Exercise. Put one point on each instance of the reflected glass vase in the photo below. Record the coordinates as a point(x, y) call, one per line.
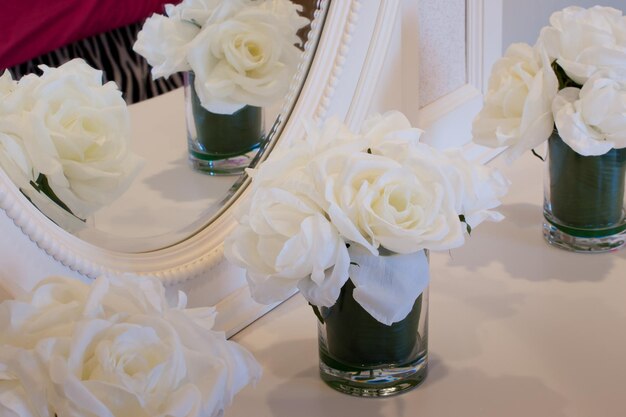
point(363, 357)
point(584, 199)
point(221, 144)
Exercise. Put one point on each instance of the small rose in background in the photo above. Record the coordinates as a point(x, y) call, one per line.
point(115, 348)
point(65, 134)
point(242, 52)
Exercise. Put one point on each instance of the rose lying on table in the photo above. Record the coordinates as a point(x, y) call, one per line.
point(116, 348)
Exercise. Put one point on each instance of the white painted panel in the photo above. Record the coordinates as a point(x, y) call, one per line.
point(522, 20)
point(442, 45)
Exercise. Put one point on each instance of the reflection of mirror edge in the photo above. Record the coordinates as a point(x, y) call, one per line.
point(203, 251)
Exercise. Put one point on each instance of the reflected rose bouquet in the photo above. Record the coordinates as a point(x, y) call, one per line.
point(242, 52)
point(118, 348)
point(336, 199)
point(66, 135)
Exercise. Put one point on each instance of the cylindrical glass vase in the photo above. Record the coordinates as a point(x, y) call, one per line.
point(221, 144)
point(363, 357)
point(584, 199)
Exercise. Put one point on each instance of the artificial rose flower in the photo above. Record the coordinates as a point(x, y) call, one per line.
point(247, 59)
point(391, 130)
point(7, 85)
point(376, 201)
point(164, 43)
point(75, 131)
point(289, 166)
point(194, 11)
point(517, 109)
point(480, 188)
point(117, 348)
point(583, 41)
point(13, 399)
point(285, 242)
point(591, 120)
point(14, 160)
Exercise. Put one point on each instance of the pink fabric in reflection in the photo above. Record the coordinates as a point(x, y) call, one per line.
point(29, 28)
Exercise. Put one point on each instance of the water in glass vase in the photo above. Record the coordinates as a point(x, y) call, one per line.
point(221, 144)
point(362, 357)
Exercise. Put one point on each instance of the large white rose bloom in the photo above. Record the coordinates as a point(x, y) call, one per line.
point(592, 120)
point(517, 110)
point(583, 41)
point(477, 188)
point(286, 242)
point(115, 348)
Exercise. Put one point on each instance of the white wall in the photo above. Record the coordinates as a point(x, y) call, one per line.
point(523, 19)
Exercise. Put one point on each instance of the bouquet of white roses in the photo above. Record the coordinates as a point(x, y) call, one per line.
point(242, 52)
point(574, 78)
point(569, 89)
point(115, 348)
point(66, 135)
point(337, 199)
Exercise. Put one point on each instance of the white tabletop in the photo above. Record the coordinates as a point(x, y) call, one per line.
point(517, 328)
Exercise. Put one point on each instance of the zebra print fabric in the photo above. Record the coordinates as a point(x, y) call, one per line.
point(112, 52)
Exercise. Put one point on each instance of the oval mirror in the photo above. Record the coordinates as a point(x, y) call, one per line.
point(339, 77)
point(170, 200)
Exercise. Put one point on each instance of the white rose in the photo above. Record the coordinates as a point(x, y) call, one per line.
point(245, 60)
point(584, 41)
point(375, 201)
point(480, 188)
point(517, 109)
point(285, 242)
point(591, 120)
point(7, 85)
point(391, 130)
point(289, 166)
point(13, 399)
point(113, 350)
point(164, 43)
point(76, 132)
point(195, 11)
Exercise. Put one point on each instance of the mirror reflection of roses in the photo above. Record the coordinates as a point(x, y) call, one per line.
point(67, 135)
point(242, 52)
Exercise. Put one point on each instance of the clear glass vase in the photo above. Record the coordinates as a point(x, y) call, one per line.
point(584, 199)
point(362, 357)
point(221, 144)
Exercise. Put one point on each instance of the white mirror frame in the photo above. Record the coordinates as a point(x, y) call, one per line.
point(341, 82)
